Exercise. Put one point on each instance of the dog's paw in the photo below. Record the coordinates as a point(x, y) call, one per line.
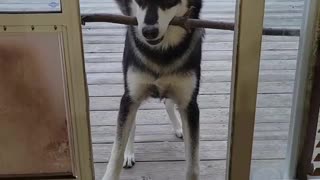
point(129, 161)
point(179, 133)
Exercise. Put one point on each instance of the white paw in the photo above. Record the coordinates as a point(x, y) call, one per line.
point(179, 133)
point(129, 161)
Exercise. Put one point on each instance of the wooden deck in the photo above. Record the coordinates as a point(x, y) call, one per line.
point(159, 154)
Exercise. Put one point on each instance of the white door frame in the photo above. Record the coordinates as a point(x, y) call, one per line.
point(301, 93)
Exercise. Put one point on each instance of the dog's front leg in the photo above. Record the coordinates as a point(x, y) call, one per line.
point(126, 117)
point(173, 118)
point(129, 159)
point(190, 124)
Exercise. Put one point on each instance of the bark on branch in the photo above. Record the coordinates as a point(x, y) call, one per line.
point(184, 22)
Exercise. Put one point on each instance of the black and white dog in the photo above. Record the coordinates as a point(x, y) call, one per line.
point(160, 61)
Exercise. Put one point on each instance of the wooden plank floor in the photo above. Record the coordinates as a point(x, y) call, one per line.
point(159, 154)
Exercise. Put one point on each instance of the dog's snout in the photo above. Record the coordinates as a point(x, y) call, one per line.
point(150, 32)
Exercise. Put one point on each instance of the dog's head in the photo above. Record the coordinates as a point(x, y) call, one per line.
point(154, 17)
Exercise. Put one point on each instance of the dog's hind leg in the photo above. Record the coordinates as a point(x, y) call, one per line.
point(173, 118)
point(126, 118)
point(190, 124)
point(129, 159)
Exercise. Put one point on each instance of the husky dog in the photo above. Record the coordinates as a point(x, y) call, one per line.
point(159, 61)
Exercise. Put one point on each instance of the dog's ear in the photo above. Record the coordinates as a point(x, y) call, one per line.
point(124, 6)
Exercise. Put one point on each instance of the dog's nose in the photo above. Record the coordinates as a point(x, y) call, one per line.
point(150, 32)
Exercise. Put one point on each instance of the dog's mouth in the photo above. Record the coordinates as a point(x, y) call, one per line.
point(155, 42)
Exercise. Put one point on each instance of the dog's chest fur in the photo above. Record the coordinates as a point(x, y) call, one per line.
point(170, 69)
point(178, 87)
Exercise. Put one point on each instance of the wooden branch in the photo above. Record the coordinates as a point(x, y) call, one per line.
point(184, 22)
